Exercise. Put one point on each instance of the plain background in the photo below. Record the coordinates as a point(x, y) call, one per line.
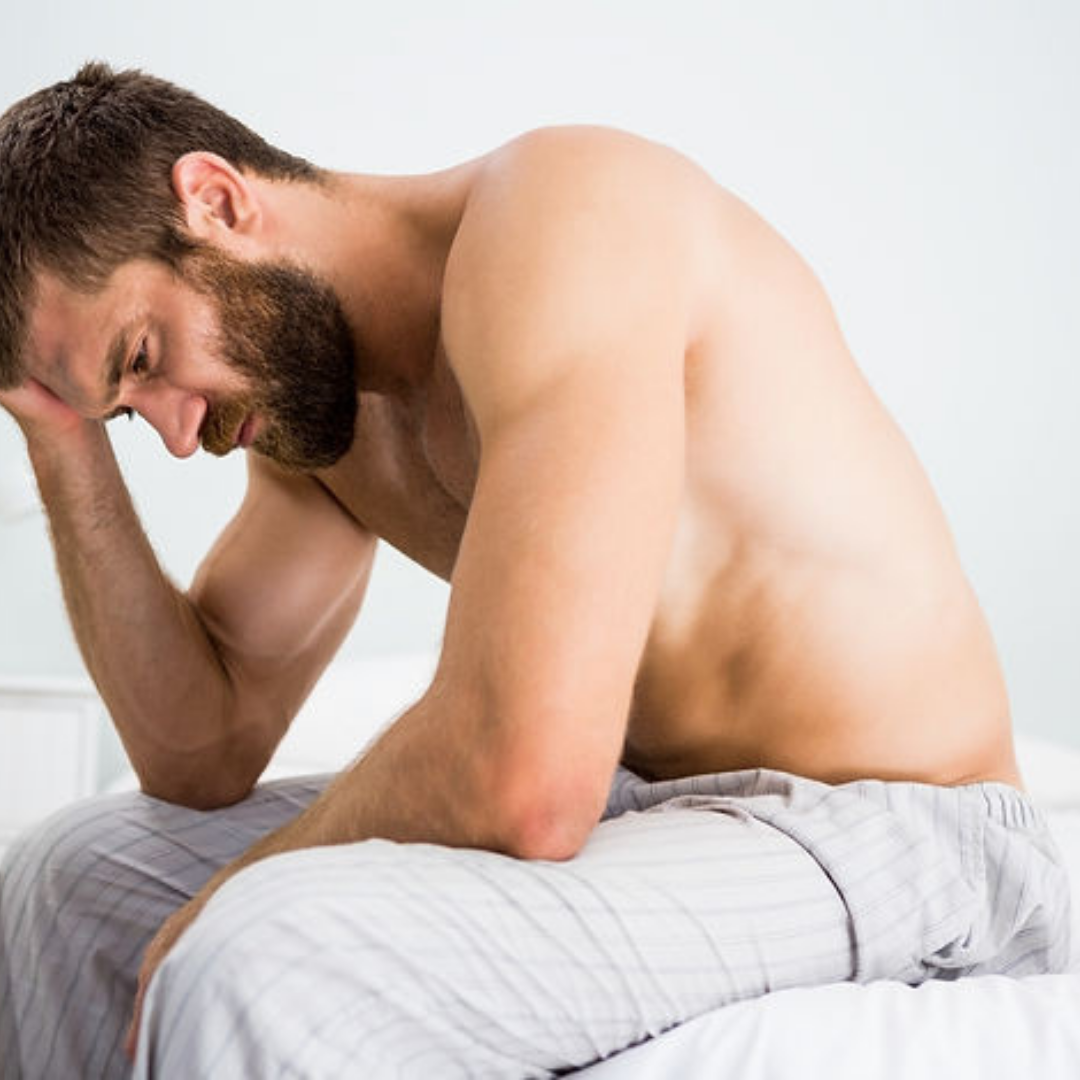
point(922, 156)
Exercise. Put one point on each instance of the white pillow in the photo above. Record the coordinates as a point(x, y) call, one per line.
point(1051, 771)
point(352, 702)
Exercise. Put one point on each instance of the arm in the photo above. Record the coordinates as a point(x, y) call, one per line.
point(201, 685)
point(571, 303)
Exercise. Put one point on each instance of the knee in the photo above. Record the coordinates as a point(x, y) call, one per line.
point(67, 854)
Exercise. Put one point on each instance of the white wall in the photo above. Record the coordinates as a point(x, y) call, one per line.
point(923, 156)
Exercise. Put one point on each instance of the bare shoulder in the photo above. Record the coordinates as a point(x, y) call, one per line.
point(558, 178)
point(586, 152)
point(574, 240)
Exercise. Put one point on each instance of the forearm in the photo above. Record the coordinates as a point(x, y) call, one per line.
point(433, 777)
point(141, 639)
point(424, 780)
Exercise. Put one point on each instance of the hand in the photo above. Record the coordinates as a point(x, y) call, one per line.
point(156, 951)
point(38, 410)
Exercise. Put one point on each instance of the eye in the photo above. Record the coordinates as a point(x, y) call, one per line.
point(141, 364)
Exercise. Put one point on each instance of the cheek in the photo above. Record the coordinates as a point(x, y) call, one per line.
point(216, 371)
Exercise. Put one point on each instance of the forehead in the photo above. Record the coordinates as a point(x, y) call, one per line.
point(58, 310)
point(70, 332)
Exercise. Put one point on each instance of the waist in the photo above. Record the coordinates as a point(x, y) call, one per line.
point(920, 736)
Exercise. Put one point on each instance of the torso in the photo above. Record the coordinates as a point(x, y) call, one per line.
point(814, 616)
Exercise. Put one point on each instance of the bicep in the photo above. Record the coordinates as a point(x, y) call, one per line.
point(280, 588)
point(562, 562)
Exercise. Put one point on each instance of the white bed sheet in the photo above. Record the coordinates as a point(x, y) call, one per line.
point(983, 1029)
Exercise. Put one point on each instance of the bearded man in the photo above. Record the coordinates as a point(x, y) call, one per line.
point(716, 713)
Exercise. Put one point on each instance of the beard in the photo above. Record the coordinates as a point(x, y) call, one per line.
point(283, 329)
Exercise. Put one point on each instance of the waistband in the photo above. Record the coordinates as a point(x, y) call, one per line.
point(1010, 806)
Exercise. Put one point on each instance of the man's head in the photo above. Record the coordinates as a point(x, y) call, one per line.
point(88, 187)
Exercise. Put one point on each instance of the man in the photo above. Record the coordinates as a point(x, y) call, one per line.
point(716, 713)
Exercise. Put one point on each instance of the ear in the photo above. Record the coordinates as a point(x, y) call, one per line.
point(218, 202)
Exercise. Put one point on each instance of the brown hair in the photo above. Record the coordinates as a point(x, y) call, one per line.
point(86, 183)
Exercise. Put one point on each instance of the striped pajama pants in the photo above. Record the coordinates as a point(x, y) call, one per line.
point(379, 959)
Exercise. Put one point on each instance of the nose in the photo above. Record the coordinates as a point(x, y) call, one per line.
point(176, 415)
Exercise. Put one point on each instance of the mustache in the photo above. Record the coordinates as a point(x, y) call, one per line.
point(218, 432)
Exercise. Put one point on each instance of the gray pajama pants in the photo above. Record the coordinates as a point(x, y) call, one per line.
point(379, 959)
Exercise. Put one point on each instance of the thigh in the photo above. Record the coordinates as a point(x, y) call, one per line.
point(80, 897)
point(388, 959)
point(134, 854)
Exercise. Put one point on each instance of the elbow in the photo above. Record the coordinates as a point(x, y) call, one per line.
point(202, 793)
point(550, 821)
point(520, 784)
point(209, 775)
point(547, 840)
point(198, 781)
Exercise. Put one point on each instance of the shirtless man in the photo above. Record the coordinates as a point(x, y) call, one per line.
point(602, 398)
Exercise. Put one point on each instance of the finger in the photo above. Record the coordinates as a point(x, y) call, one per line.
point(33, 403)
point(132, 1037)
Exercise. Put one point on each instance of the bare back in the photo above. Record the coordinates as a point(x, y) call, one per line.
point(814, 616)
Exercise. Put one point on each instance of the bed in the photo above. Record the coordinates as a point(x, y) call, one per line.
point(986, 1028)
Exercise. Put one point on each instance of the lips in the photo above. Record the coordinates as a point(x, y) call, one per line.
point(246, 435)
